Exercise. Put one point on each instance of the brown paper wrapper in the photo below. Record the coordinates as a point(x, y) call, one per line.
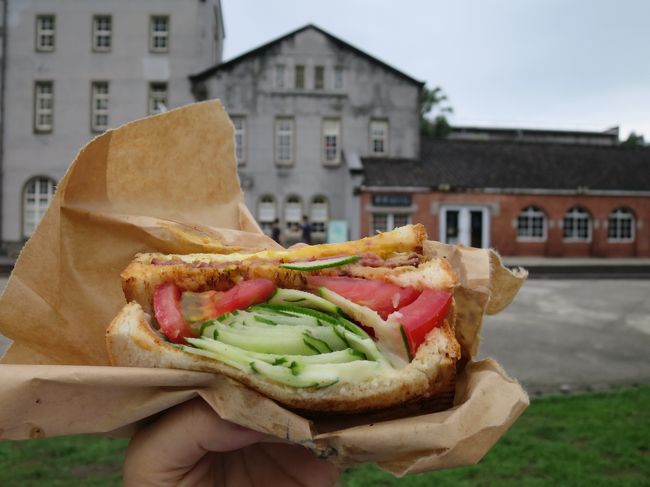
point(169, 183)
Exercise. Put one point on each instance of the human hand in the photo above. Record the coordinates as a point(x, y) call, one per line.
point(192, 445)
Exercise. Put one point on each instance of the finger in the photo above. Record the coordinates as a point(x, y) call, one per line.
point(175, 443)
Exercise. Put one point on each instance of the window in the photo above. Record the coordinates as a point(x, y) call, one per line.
point(293, 214)
point(378, 137)
point(99, 106)
point(280, 76)
point(531, 224)
point(267, 212)
point(577, 225)
point(37, 194)
point(383, 222)
point(102, 31)
point(319, 78)
point(299, 79)
point(284, 141)
point(620, 225)
point(157, 98)
point(159, 33)
point(338, 78)
point(45, 31)
point(43, 106)
point(240, 138)
point(331, 142)
point(318, 217)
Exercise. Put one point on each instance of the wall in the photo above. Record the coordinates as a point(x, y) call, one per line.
point(248, 89)
point(129, 67)
point(505, 208)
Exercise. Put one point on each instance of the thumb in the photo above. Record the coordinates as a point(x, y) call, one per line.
point(165, 451)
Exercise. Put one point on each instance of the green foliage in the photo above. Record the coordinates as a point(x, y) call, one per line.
point(592, 439)
point(634, 140)
point(433, 110)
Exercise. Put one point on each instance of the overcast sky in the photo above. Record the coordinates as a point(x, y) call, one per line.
point(567, 64)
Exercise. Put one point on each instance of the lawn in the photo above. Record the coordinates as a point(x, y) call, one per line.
point(591, 439)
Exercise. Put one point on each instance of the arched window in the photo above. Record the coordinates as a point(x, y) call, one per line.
point(577, 225)
point(318, 217)
point(531, 224)
point(293, 214)
point(266, 212)
point(37, 194)
point(620, 225)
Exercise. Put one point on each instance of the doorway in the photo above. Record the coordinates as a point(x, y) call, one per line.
point(467, 225)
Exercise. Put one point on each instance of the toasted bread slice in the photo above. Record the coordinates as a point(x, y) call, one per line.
point(131, 341)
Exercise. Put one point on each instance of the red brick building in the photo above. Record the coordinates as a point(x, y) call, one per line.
point(522, 196)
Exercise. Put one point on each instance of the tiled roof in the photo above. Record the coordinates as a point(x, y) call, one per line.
point(512, 165)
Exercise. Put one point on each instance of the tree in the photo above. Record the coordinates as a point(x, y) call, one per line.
point(433, 111)
point(634, 140)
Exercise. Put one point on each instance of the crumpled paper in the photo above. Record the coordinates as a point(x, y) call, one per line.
point(169, 183)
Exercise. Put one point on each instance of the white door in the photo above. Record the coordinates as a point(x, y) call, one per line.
point(467, 225)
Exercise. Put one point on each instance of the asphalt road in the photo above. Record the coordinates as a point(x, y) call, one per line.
point(565, 335)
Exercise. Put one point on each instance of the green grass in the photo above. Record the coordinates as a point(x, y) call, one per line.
point(592, 439)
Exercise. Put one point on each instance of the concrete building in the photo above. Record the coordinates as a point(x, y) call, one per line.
point(306, 107)
point(76, 68)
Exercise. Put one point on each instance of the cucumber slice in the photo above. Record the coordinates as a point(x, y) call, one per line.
point(218, 349)
point(314, 265)
point(389, 336)
point(291, 310)
point(365, 346)
point(282, 344)
point(302, 298)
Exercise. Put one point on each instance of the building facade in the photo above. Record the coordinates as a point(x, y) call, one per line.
point(556, 198)
point(76, 68)
point(306, 107)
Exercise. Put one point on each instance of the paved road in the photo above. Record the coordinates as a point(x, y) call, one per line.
point(569, 334)
point(574, 334)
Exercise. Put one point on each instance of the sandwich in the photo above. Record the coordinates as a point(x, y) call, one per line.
point(345, 327)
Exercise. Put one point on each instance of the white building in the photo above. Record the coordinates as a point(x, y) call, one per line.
point(307, 107)
point(75, 68)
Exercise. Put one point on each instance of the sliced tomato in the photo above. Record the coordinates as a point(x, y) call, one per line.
point(380, 296)
point(243, 295)
point(167, 309)
point(423, 315)
point(199, 306)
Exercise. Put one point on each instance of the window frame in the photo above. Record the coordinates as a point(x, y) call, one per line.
point(319, 77)
point(531, 212)
point(371, 138)
point(276, 141)
point(286, 221)
point(94, 128)
point(153, 34)
point(573, 238)
point(338, 82)
point(38, 33)
point(38, 128)
point(317, 234)
point(280, 77)
point(390, 220)
point(96, 33)
point(299, 68)
point(38, 211)
point(630, 216)
point(240, 132)
point(336, 161)
point(266, 225)
point(151, 97)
